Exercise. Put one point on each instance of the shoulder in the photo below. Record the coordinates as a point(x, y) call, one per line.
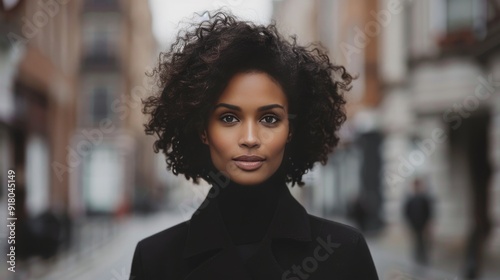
point(342, 233)
point(164, 245)
point(348, 247)
point(153, 252)
point(166, 238)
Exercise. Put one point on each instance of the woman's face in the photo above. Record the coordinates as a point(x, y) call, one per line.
point(248, 129)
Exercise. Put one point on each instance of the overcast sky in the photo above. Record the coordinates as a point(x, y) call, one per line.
point(168, 13)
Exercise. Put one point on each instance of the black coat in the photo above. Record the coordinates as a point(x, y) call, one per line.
point(297, 246)
point(418, 211)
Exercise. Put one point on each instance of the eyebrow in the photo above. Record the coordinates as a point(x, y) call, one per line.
point(260, 109)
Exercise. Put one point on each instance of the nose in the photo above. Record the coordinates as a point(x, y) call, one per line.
point(249, 138)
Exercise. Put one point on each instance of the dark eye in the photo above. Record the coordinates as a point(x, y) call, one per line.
point(270, 119)
point(228, 118)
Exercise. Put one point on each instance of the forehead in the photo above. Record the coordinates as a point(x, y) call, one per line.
point(253, 89)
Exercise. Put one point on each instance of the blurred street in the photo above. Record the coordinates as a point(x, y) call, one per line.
point(112, 260)
point(417, 168)
point(109, 260)
point(392, 255)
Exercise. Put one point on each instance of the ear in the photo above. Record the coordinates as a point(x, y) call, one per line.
point(203, 137)
point(289, 137)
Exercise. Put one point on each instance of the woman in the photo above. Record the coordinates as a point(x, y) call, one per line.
point(248, 111)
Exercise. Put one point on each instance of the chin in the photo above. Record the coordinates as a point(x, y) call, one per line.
point(248, 179)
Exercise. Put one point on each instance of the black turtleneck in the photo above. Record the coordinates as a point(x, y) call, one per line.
point(247, 211)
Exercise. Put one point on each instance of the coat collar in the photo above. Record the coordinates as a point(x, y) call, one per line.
point(207, 230)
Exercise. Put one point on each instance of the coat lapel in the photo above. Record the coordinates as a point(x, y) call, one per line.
point(206, 229)
point(207, 232)
point(290, 220)
point(227, 264)
point(263, 264)
point(224, 265)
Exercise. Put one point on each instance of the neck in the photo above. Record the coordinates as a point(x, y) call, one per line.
point(247, 210)
point(270, 182)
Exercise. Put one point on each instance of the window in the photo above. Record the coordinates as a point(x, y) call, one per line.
point(465, 23)
point(100, 45)
point(103, 180)
point(493, 11)
point(459, 15)
point(465, 15)
point(100, 106)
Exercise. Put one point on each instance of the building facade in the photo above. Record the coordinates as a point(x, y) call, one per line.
point(72, 74)
point(425, 105)
point(353, 170)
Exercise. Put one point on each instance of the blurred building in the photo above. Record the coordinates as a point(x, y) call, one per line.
point(354, 168)
point(117, 49)
point(72, 75)
point(425, 105)
point(40, 69)
point(450, 87)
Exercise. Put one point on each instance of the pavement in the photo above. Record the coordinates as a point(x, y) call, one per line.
point(108, 259)
point(111, 258)
point(392, 254)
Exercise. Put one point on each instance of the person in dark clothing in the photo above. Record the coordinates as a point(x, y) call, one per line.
point(418, 212)
point(248, 112)
point(358, 211)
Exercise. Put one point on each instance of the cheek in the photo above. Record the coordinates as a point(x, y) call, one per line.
point(274, 136)
point(276, 141)
point(219, 140)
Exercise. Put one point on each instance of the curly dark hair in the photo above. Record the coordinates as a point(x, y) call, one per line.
point(193, 73)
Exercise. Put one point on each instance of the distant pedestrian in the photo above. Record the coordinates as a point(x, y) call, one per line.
point(418, 213)
point(358, 211)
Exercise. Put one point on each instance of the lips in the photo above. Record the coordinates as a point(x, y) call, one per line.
point(248, 162)
point(249, 158)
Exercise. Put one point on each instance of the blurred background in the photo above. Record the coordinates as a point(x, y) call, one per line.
point(417, 169)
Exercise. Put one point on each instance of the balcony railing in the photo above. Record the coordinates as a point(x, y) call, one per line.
point(101, 5)
point(100, 62)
